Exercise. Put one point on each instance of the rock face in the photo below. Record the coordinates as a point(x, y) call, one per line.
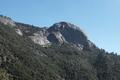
point(68, 33)
point(6, 20)
point(56, 37)
point(18, 31)
point(40, 38)
point(36, 34)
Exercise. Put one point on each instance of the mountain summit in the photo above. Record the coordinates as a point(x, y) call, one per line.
point(69, 33)
point(63, 25)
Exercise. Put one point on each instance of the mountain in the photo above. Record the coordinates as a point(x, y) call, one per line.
point(59, 52)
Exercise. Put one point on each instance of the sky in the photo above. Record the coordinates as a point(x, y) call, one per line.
point(99, 19)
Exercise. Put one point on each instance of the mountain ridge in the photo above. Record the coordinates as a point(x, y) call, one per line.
point(58, 33)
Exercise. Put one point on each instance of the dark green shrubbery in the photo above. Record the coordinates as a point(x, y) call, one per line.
point(21, 59)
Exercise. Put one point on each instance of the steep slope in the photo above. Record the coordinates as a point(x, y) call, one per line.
point(21, 58)
point(24, 60)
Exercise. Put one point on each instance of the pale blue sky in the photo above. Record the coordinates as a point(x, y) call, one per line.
point(100, 19)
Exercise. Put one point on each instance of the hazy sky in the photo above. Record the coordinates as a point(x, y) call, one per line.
point(100, 19)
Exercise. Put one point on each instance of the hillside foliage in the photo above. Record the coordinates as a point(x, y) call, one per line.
point(21, 59)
